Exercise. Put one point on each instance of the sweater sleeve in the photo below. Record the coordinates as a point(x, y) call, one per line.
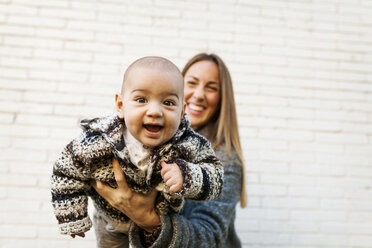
point(69, 183)
point(201, 224)
point(202, 171)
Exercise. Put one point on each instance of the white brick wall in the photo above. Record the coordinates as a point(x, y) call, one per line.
point(302, 73)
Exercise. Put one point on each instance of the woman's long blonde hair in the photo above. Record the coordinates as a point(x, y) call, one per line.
point(224, 130)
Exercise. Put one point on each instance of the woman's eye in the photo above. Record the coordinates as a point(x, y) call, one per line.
point(212, 88)
point(169, 103)
point(191, 83)
point(141, 100)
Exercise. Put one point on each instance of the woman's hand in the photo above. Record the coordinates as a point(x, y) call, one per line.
point(138, 207)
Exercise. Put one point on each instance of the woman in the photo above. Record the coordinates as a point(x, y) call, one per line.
point(210, 104)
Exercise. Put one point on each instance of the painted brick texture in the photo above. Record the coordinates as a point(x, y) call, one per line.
point(302, 73)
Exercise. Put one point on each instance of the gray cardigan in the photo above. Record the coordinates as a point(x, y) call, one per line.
point(203, 224)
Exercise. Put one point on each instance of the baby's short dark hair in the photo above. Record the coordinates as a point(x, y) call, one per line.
point(154, 62)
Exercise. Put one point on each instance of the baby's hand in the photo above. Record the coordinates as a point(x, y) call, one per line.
point(172, 176)
point(78, 234)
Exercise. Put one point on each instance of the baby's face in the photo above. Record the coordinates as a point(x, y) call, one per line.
point(152, 105)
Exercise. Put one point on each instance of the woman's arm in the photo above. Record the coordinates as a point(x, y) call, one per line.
point(201, 224)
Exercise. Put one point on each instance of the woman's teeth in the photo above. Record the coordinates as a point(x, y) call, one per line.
point(195, 107)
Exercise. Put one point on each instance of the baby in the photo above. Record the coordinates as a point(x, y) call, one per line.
point(149, 136)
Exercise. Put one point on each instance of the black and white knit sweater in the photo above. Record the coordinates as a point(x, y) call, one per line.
point(90, 155)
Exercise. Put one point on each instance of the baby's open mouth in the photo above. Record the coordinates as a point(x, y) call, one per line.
point(153, 128)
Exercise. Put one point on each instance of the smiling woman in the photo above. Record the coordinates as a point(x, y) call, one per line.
point(202, 92)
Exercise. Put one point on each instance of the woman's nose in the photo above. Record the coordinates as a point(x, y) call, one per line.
point(154, 110)
point(199, 93)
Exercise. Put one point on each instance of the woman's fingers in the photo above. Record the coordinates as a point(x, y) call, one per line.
point(102, 189)
point(119, 175)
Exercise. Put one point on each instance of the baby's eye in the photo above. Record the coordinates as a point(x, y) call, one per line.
point(169, 103)
point(141, 100)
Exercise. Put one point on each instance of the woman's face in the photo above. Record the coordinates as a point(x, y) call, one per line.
point(202, 92)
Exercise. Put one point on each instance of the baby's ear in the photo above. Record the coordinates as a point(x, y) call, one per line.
point(119, 105)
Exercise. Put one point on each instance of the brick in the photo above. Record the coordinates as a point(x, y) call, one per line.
point(63, 132)
point(267, 214)
point(57, 75)
point(33, 42)
point(359, 172)
point(342, 116)
point(11, 73)
point(52, 98)
point(342, 138)
point(16, 30)
point(16, 84)
point(63, 55)
point(83, 67)
point(19, 206)
point(17, 231)
point(10, 95)
point(269, 238)
point(247, 225)
point(44, 120)
point(28, 131)
point(357, 149)
point(316, 147)
point(31, 168)
point(361, 217)
point(321, 240)
point(42, 144)
point(28, 193)
point(67, 13)
point(266, 190)
point(22, 155)
point(310, 191)
point(6, 118)
point(319, 215)
point(338, 95)
point(356, 128)
point(287, 112)
point(315, 125)
point(5, 142)
point(36, 21)
point(360, 240)
point(68, 34)
point(350, 159)
point(269, 167)
point(49, 3)
point(343, 182)
point(98, 89)
point(313, 103)
point(93, 26)
point(19, 9)
point(95, 47)
point(286, 134)
point(286, 179)
point(15, 51)
point(89, 112)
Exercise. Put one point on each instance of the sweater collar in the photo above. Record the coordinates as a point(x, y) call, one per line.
point(112, 127)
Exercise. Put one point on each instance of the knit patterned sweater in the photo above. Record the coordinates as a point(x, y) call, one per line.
point(90, 155)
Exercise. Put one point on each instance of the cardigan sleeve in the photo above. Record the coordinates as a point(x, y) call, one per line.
point(201, 224)
point(69, 183)
point(202, 171)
